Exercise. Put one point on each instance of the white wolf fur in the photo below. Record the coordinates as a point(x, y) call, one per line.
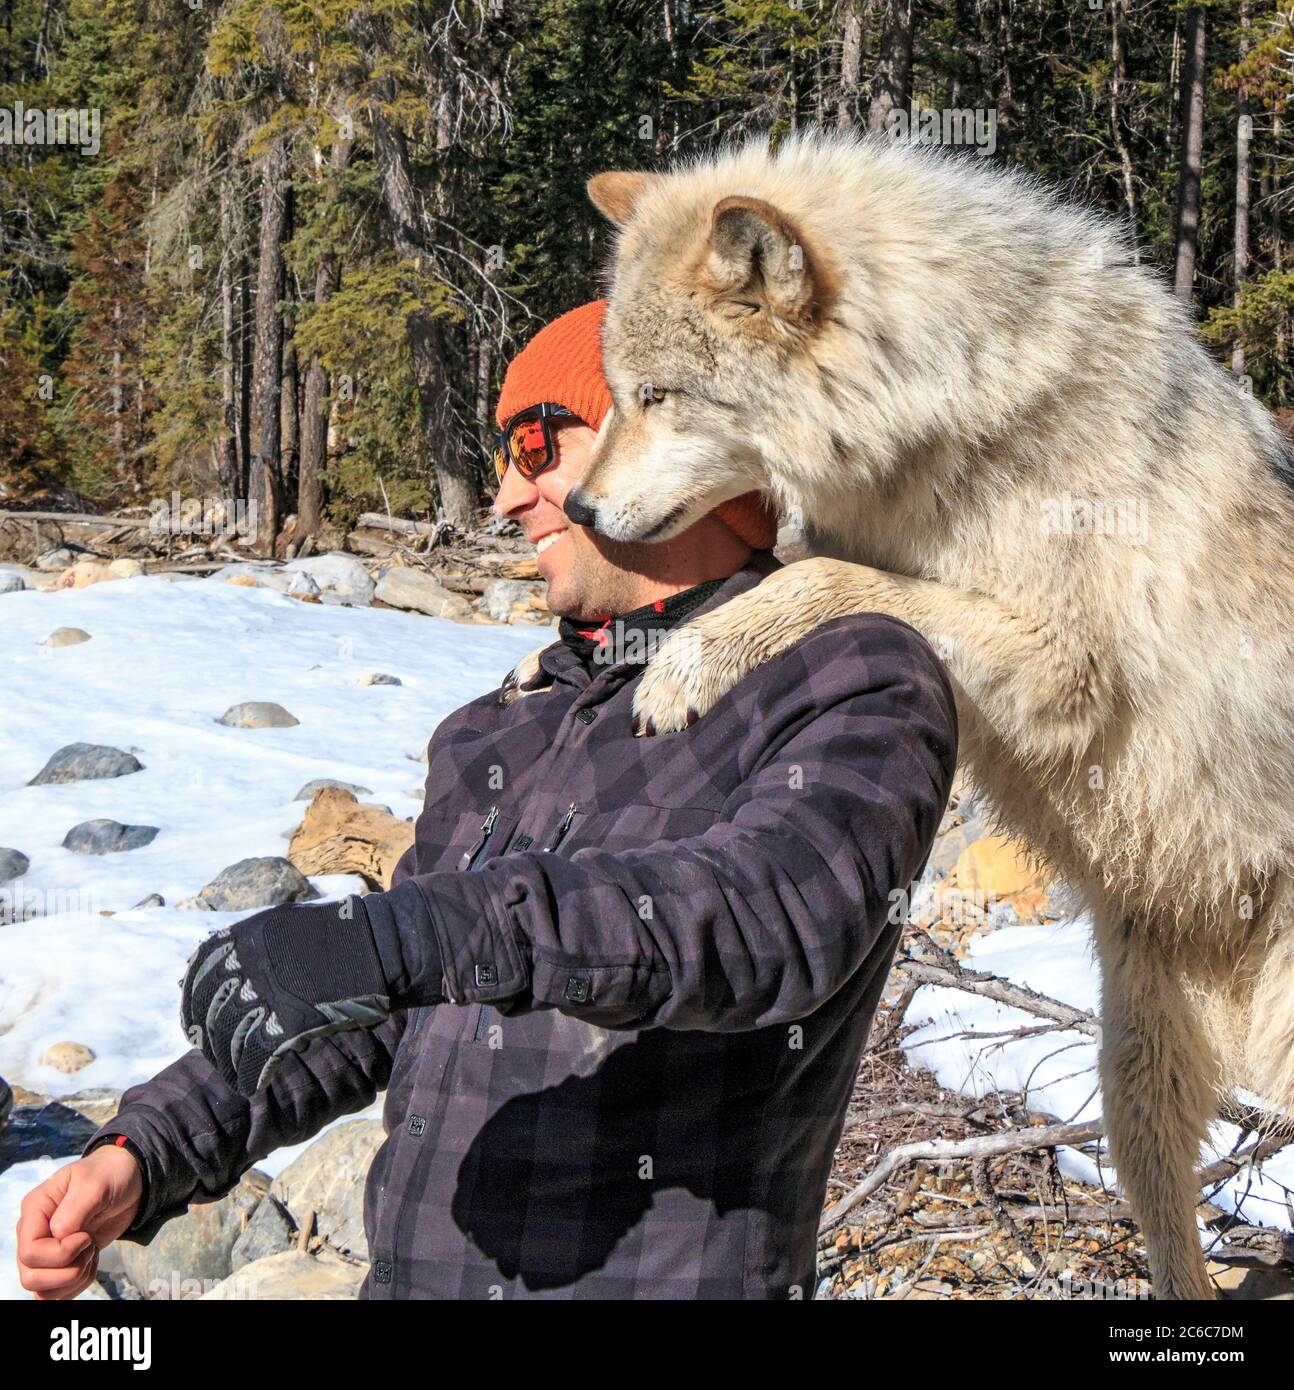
point(925, 357)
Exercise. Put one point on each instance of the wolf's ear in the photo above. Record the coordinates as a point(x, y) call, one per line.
point(757, 257)
point(615, 195)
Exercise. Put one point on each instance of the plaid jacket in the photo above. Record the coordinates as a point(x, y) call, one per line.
point(664, 962)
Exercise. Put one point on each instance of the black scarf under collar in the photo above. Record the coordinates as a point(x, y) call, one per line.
point(633, 636)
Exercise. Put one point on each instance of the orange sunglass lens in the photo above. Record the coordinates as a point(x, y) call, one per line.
point(528, 447)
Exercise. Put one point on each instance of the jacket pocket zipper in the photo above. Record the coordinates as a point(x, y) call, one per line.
point(467, 860)
point(561, 829)
point(483, 1018)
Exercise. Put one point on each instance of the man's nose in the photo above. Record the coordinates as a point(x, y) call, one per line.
point(514, 494)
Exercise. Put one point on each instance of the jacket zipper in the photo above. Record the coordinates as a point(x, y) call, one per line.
point(466, 861)
point(561, 829)
point(483, 1018)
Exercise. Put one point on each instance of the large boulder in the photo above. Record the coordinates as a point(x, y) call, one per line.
point(83, 762)
point(11, 582)
point(253, 883)
point(84, 573)
point(102, 836)
point(252, 576)
point(44, 1128)
point(190, 1254)
point(419, 592)
point(258, 714)
point(328, 1180)
point(293, 1275)
point(269, 1230)
point(341, 578)
point(340, 836)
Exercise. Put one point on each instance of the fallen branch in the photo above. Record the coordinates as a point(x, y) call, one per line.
point(948, 1150)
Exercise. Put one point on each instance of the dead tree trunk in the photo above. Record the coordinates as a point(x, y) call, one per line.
point(455, 474)
point(264, 488)
point(1244, 135)
point(1192, 154)
point(851, 61)
point(892, 82)
point(230, 449)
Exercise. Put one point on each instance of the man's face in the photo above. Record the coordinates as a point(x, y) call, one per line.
point(588, 575)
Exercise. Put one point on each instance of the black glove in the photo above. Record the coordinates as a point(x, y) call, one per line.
point(268, 986)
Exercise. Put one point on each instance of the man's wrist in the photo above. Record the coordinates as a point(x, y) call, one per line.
point(127, 1145)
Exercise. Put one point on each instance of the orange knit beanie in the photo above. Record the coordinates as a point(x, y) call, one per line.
point(563, 364)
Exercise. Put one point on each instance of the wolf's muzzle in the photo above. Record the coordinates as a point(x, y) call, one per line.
point(579, 511)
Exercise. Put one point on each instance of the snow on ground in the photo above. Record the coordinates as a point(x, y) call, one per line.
point(1056, 1070)
point(165, 660)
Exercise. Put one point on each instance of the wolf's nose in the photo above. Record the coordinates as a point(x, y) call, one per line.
point(579, 510)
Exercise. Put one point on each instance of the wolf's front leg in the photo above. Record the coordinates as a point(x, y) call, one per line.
point(1038, 684)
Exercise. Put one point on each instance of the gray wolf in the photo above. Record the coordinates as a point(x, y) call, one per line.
point(997, 427)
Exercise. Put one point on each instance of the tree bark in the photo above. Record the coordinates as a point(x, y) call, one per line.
point(1244, 126)
point(1118, 79)
point(1192, 153)
point(229, 449)
point(851, 61)
point(892, 83)
point(455, 475)
point(314, 420)
point(265, 482)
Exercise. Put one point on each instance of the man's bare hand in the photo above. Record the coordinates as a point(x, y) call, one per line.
point(71, 1216)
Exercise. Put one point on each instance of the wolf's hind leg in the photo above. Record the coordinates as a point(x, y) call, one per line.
point(1158, 1079)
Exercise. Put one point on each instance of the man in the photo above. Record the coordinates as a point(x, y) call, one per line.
point(618, 990)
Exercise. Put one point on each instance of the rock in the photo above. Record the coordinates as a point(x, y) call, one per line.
point(43, 1128)
point(515, 601)
point(103, 836)
point(65, 637)
point(13, 864)
point(340, 578)
point(269, 1230)
point(126, 568)
point(303, 586)
point(253, 883)
point(55, 559)
point(996, 867)
point(947, 850)
point(6, 1102)
point(292, 1275)
point(328, 1179)
point(84, 573)
point(308, 791)
point(1252, 1277)
point(379, 678)
point(339, 836)
point(254, 576)
point(153, 900)
point(66, 1056)
point(419, 592)
point(11, 583)
point(257, 714)
point(84, 762)
point(190, 1253)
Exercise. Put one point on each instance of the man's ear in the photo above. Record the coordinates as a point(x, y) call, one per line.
point(616, 195)
point(757, 259)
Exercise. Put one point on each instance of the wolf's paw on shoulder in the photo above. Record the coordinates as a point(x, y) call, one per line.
point(523, 678)
point(693, 668)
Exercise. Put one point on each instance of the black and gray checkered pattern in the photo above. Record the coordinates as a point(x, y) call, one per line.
point(661, 994)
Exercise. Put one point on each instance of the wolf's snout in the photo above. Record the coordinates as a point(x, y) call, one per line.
point(579, 511)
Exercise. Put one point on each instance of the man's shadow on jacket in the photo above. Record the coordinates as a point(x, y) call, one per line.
point(598, 1181)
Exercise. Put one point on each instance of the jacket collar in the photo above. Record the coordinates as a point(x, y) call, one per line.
point(563, 665)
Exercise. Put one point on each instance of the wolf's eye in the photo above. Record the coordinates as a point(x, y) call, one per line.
point(651, 395)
